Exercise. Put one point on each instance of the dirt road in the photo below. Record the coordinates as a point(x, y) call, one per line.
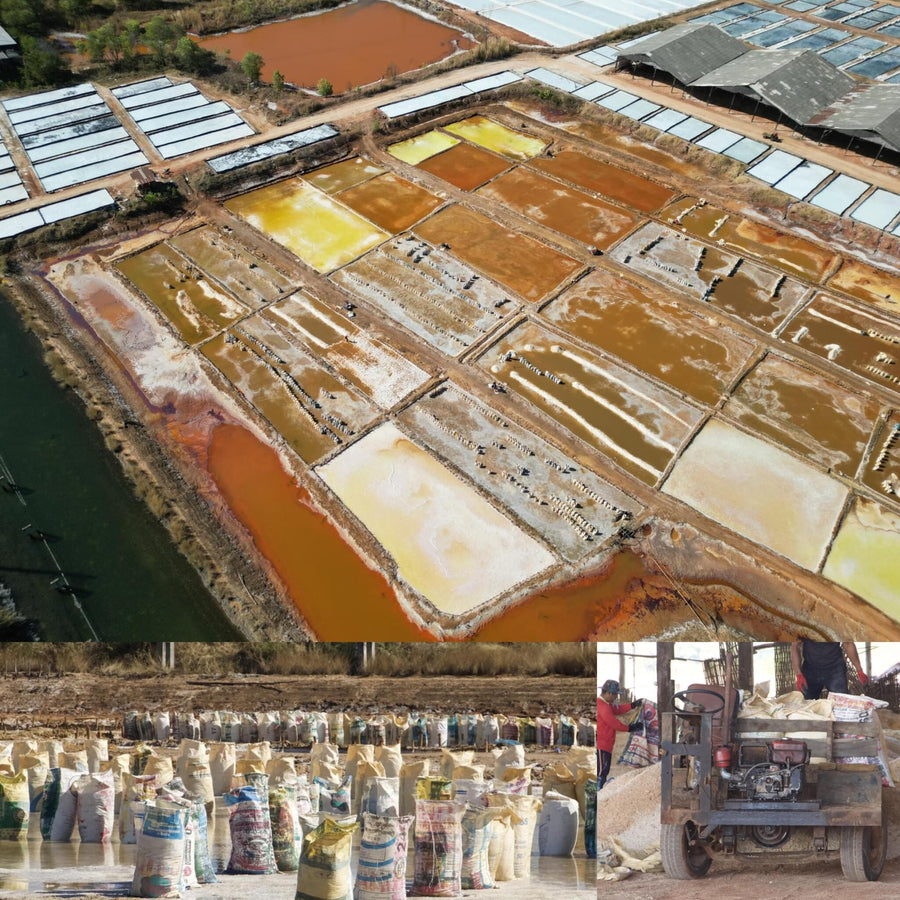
point(741, 880)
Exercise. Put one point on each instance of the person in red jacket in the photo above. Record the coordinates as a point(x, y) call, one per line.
point(608, 725)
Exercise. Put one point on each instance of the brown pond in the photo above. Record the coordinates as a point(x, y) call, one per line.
point(648, 329)
point(869, 284)
point(602, 178)
point(563, 209)
point(521, 263)
point(196, 306)
point(793, 254)
point(338, 594)
point(391, 202)
point(803, 411)
point(857, 341)
point(465, 166)
point(354, 45)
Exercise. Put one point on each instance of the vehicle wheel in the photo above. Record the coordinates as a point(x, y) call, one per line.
point(683, 854)
point(863, 850)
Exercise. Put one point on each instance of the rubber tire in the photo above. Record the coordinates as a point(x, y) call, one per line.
point(676, 855)
point(863, 851)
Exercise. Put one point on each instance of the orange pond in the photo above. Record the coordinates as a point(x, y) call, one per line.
point(465, 166)
point(563, 209)
point(350, 46)
point(521, 263)
point(602, 178)
point(571, 612)
point(339, 595)
point(869, 284)
point(391, 202)
point(343, 599)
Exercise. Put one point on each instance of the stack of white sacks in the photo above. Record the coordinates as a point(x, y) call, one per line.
point(468, 832)
point(344, 729)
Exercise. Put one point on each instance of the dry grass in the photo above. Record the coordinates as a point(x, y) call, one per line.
point(394, 660)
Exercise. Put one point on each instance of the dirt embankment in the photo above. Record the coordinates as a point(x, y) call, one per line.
point(28, 701)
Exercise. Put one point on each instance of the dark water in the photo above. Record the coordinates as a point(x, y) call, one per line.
point(130, 581)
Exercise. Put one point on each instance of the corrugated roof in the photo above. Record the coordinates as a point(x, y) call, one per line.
point(686, 51)
point(804, 87)
point(747, 68)
point(863, 109)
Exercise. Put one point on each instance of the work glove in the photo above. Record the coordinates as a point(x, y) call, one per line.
point(637, 725)
point(801, 682)
point(863, 678)
point(637, 704)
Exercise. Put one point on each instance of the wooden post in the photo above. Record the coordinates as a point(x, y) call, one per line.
point(665, 687)
point(165, 651)
point(745, 666)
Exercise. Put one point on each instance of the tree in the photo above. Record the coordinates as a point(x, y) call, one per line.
point(160, 35)
point(324, 88)
point(23, 17)
point(41, 64)
point(77, 11)
point(252, 64)
point(277, 82)
point(191, 57)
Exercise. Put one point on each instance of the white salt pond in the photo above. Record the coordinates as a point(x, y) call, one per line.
point(448, 542)
point(759, 491)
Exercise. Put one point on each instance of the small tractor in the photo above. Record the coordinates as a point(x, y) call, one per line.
point(761, 788)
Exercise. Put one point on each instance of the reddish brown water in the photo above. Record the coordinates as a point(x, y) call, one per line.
point(339, 595)
point(788, 252)
point(602, 178)
point(350, 46)
point(869, 284)
point(645, 327)
point(521, 263)
point(391, 202)
point(803, 411)
point(573, 611)
point(563, 209)
point(465, 166)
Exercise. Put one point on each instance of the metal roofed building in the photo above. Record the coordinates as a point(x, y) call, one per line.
point(686, 52)
point(9, 47)
point(869, 111)
point(798, 83)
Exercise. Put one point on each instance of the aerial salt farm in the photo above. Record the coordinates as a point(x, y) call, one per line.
point(507, 377)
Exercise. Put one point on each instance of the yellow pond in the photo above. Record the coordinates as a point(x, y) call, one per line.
point(759, 491)
point(865, 557)
point(487, 133)
point(319, 230)
point(449, 543)
point(422, 147)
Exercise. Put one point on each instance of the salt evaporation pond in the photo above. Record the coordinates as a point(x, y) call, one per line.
point(350, 46)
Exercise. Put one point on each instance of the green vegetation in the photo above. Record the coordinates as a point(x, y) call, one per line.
point(324, 88)
point(116, 43)
point(277, 82)
point(222, 15)
point(393, 660)
point(42, 66)
point(252, 64)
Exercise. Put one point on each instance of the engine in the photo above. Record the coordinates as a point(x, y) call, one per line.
point(773, 771)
